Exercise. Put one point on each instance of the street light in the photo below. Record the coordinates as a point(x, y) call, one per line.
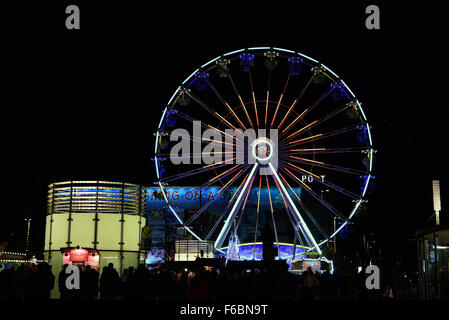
point(436, 200)
point(28, 235)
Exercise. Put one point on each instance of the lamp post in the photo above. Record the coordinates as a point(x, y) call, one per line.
point(28, 221)
point(436, 200)
point(437, 209)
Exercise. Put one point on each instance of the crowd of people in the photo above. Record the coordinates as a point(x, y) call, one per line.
point(29, 282)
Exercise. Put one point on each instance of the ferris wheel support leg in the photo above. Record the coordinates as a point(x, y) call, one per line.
point(295, 210)
point(227, 225)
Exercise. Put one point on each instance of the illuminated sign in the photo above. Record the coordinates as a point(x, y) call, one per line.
point(304, 264)
point(94, 261)
point(86, 257)
point(187, 200)
point(155, 256)
point(79, 255)
point(313, 264)
point(254, 251)
point(189, 196)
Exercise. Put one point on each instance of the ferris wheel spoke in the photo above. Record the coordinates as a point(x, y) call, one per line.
point(240, 98)
point(301, 243)
point(327, 183)
point(226, 105)
point(295, 225)
point(247, 193)
point(268, 97)
point(317, 122)
point(315, 163)
point(196, 139)
point(224, 188)
point(199, 155)
point(306, 111)
point(219, 142)
point(300, 220)
point(227, 225)
point(208, 141)
point(269, 195)
point(254, 97)
point(320, 136)
point(280, 99)
point(214, 113)
point(257, 214)
point(242, 211)
point(227, 207)
point(203, 124)
point(313, 194)
point(223, 174)
point(258, 196)
point(194, 172)
point(295, 102)
point(272, 212)
point(209, 182)
point(327, 150)
point(304, 208)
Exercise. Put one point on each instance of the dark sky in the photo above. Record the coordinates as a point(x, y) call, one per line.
point(83, 104)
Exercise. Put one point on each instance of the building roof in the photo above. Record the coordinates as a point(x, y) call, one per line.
point(443, 231)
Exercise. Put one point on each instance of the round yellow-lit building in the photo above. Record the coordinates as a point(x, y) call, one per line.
point(94, 223)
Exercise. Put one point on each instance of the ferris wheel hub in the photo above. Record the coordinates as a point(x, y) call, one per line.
point(263, 150)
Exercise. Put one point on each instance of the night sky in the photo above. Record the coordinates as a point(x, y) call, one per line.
point(84, 104)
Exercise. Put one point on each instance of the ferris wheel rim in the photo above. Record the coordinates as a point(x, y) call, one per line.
point(228, 54)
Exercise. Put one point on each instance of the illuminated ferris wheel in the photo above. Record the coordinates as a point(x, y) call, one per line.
point(312, 149)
